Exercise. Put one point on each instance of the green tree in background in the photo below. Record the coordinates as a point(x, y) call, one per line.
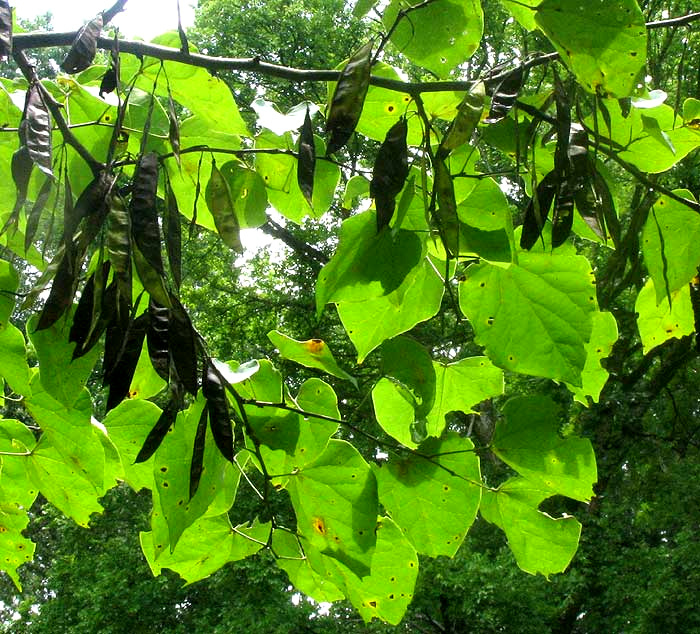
point(474, 368)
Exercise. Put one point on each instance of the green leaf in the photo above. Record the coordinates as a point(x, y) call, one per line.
point(527, 440)
point(13, 360)
point(62, 482)
point(387, 591)
point(604, 46)
point(279, 173)
point(313, 353)
point(637, 146)
point(371, 322)
point(671, 244)
point(459, 387)
point(594, 376)
point(207, 545)
point(171, 470)
point(434, 494)
point(544, 326)
point(17, 494)
point(367, 265)
point(70, 434)
point(413, 403)
point(195, 88)
point(658, 323)
point(146, 382)
point(306, 579)
point(439, 35)
point(289, 440)
point(335, 501)
point(540, 543)
point(519, 10)
point(9, 283)
point(62, 378)
point(248, 194)
point(128, 425)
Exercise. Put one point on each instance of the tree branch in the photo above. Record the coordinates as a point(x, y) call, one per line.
point(312, 255)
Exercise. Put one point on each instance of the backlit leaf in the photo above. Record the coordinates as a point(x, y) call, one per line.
point(313, 353)
point(335, 501)
point(528, 440)
point(434, 494)
point(658, 323)
point(671, 244)
point(604, 44)
point(367, 265)
point(540, 543)
point(438, 35)
point(545, 325)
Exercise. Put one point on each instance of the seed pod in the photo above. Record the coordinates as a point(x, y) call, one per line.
point(173, 129)
point(118, 242)
point(197, 464)
point(157, 434)
point(157, 339)
point(144, 217)
point(109, 81)
point(390, 172)
point(173, 234)
point(183, 347)
point(84, 47)
point(5, 30)
point(468, 117)
point(306, 164)
point(348, 98)
point(35, 129)
point(218, 199)
point(538, 210)
point(121, 375)
point(505, 95)
point(219, 416)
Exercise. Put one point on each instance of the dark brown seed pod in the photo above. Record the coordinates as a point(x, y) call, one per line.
point(5, 30)
point(348, 98)
point(505, 95)
point(156, 436)
point(121, 375)
point(84, 47)
point(538, 210)
point(182, 343)
point(109, 81)
point(219, 416)
point(173, 234)
point(197, 464)
point(390, 172)
point(306, 164)
point(157, 339)
point(144, 217)
point(35, 129)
